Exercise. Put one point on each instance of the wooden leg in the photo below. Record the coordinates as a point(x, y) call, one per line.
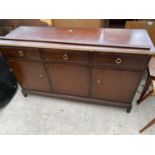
point(129, 108)
point(148, 76)
point(146, 95)
point(148, 72)
point(148, 125)
point(24, 94)
point(147, 84)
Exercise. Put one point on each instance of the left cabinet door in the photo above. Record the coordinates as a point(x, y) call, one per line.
point(30, 75)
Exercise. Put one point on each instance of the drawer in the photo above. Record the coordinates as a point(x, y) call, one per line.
point(131, 61)
point(66, 56)
point(21, 53)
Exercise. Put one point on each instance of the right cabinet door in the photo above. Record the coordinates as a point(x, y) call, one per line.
point(114, 85)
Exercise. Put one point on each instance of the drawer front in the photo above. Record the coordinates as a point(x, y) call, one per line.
point(66, 56)
point(131, 61)
point(21, 53)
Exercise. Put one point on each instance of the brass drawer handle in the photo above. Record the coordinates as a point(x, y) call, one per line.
point(65, 56)
point(21, 53)
point(118, 60)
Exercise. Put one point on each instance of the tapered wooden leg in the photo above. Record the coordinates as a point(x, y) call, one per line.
point(148, 125)
point(129, 108)
point(147, 84)
point(146, 95)
point(24, 94)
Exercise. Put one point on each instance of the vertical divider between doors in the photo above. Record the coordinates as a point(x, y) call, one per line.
point(46, 69)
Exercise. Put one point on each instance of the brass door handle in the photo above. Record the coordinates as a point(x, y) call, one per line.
point(98, 81)
point(41, 75)
point(65, 56)
point(21, 53)
point(118, 60)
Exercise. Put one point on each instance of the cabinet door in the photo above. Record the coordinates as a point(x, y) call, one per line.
point(114, 85)
point(69, 79)
point(31, 75)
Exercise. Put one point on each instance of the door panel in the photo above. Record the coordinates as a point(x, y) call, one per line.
point(69, 79)
point(114, 85)
point(31, 75)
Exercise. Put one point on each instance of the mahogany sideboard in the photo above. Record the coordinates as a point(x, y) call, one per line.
point(102, 66)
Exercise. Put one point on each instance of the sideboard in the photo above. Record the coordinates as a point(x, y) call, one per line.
point(102, 66)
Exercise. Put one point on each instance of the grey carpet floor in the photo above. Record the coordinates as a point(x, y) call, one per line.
point(44, 115)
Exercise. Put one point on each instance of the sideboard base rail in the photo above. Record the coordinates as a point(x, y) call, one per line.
point(128, 106)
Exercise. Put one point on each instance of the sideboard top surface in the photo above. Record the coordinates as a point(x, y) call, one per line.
point(100, 39)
